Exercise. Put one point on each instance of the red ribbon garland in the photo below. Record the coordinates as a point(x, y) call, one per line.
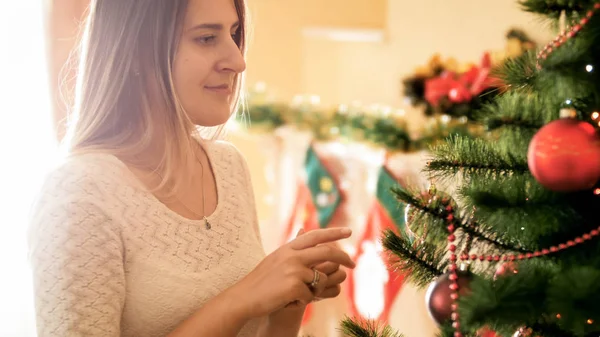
point(461, 88)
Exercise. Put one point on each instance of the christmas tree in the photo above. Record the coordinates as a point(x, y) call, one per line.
point(513, 248)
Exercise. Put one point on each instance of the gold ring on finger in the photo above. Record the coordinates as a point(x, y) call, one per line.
point(316, 278)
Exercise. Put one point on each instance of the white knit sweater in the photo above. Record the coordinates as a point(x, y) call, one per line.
point(109, 259)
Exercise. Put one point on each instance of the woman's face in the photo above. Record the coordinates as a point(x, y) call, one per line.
point(207, 61)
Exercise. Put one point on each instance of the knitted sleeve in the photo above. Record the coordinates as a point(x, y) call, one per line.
point(76, 256)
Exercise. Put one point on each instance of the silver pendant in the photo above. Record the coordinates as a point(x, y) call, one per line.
point(207, 224)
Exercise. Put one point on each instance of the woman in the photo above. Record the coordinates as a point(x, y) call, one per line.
point(146, 229)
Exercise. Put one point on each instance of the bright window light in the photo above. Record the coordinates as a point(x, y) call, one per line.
point(26, 147)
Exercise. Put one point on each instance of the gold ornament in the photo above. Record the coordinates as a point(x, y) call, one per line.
point(326, 184)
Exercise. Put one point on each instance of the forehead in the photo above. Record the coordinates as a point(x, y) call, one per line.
point(210, 11)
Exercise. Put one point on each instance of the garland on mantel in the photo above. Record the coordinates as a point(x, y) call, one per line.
point(381, 127)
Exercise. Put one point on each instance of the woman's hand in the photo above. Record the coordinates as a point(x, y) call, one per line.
point(335, 276)
point(283, 278)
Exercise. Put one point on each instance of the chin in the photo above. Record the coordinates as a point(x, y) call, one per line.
point(212, 117)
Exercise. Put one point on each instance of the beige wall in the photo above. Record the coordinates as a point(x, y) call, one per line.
point(463, 29)
point(342, 72)
point(277, 52)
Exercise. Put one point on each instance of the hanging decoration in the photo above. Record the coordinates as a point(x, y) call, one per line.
point(565, 155)
point(317, 202)
point(486, 332)
point(439, 297)
point(372, 285)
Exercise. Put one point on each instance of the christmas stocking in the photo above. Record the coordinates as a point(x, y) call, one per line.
point(317, 200)
point(373, 287)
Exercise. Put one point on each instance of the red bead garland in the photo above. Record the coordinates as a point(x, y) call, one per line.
point(542, 252)
point(565, 36)
point(453, 268)
point(465, 257)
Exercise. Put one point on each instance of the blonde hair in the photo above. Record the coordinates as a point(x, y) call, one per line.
point(124, 46)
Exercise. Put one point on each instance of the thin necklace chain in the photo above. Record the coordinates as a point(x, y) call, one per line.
point(206, 222)
point(203, 215)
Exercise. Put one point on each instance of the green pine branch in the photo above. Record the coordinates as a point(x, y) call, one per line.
point(475, 157)
point(531, 227)
point(557, 79)
point(490, 237)
point(522, 212)
point(561, 81)
point(576, 294)
point(420, 262)
point(366, 328)
point(427, 217)
point(446, 330)
point(565, 73)
point(553, 8)
point(431, 221)
point(439, 131)
point(549, 329)
point(518, 111)
point(534, 297)
point(509, 302)
point(518, 73)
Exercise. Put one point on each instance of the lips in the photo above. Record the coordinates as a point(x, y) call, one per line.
point(220, 89)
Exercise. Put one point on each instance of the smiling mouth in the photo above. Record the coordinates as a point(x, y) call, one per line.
point(221, 89)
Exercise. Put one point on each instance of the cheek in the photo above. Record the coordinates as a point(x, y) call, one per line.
point(190, 70)
point(190, 74)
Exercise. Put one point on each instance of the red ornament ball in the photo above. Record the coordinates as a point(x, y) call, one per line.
point(486, 332)
point(506, 269)
point(438, 297)
point(564, 155)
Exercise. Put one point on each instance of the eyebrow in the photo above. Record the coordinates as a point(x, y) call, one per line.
point(213, 26)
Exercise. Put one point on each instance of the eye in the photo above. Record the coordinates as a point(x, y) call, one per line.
point(206, 39)
point(236, 36)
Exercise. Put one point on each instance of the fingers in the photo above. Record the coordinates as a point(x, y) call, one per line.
point(336, 278)
point(300, 291)
point(332, 287)
point(328, 268)
point(321, 285)
point(307, 292)
point(317, 248)
point(317, 255)
point(304, 294)
point(320, 236)
point(308, 276)
point(330, 292)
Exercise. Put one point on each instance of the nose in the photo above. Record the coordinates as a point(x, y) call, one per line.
point(233, 60)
